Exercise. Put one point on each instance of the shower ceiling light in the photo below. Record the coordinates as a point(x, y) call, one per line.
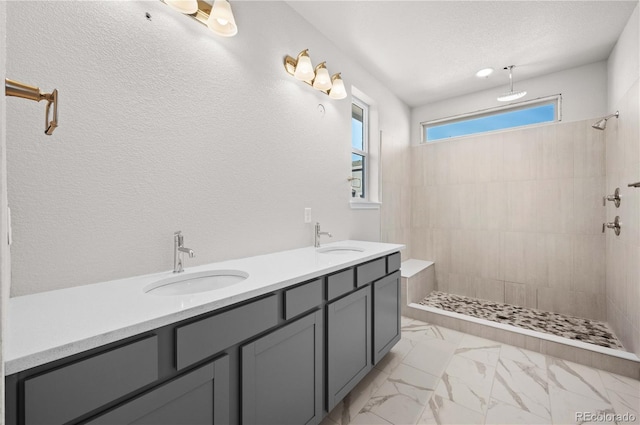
point(484, 73)
point(602, 124)
point(219, 17)
point(511, 95)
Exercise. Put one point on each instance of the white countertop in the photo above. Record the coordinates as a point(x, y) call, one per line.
point(52, 325)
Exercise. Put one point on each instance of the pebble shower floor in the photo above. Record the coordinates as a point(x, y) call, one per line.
point(577, 328)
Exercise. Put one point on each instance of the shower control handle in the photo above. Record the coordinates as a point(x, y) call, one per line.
point(615, 198)
point(615, 225)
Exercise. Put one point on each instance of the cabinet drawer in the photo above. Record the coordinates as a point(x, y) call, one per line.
point(204, 338)
point(302, 298)
point(393, 262)
point(340, 283)
point(198, 397)
point(66, 393)
point(373, 270)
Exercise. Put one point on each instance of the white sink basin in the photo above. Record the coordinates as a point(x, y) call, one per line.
point(340, 250)
point(192, 283)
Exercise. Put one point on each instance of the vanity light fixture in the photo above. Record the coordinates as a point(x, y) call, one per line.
point(337, 90)
point(302, 69)
point(323, 79)
point(511, 95)
point(217, 17)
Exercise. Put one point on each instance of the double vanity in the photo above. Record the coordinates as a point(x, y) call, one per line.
point(272, 339)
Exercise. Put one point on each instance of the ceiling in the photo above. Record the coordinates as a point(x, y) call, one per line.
point(425, 51)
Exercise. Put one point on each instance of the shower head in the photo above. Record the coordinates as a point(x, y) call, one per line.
point(602, 124)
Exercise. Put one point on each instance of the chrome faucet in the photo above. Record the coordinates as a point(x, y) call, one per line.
point(178, 249)
point(318, 233)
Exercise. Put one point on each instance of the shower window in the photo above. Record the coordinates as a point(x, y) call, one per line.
point(359, 148)
point(517, 115)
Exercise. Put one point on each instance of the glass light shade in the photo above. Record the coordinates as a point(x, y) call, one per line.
point(508, 97)
point(304, 69)
point(221, 20)
point(484, 73)
point(322, 80)
point(183, 6)
point(337, 90)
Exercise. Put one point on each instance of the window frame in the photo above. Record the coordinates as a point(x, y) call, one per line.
point(512, 107)
point(364, 152)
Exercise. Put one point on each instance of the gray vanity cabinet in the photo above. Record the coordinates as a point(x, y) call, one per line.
point(348, 343)
point(386, 315)
point(285, 357)
point(199, 397)
point(282, 375)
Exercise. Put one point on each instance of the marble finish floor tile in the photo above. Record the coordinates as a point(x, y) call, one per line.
point(577, 328)
point(523, 357)
point(443, 411)
point(620, 384)
point(576, 378)
point(420, 331)
point(396, 355)
point(357, 398)
point(504, 413)
point(402, 397)
point(523, 387)
point(432, 356)
point(626, 404)
point(480, 349)
point(572, 408)
point(467, 382)
point(428, 379)
point(368, 418)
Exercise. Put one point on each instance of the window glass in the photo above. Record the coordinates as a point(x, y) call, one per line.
point(357, 127)
point(357, 175)
point(499, 120)
point(359, 148)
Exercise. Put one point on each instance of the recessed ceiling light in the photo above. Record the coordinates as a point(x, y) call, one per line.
point(484, 73)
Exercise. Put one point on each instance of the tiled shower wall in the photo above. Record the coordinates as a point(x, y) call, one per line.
point(395, 211)
point(515, 216)
point(623, 252)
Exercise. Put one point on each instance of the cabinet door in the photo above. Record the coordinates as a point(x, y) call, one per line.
point(348, 343)
point(386, 315)
point(282, 375)
point(199, 397)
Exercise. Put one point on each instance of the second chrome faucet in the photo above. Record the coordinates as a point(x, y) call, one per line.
point(318, 233)
point(178, 249)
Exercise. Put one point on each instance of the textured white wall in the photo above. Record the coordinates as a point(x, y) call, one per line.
point(164, 126)
point(5, 274)
point(584, 96)
point(623, 167)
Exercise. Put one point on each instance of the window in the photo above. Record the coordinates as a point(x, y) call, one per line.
point(359, 148)
point(518, 115)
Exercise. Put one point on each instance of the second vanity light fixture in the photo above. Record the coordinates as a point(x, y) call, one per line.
point(318, 78)
point(218, 17)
